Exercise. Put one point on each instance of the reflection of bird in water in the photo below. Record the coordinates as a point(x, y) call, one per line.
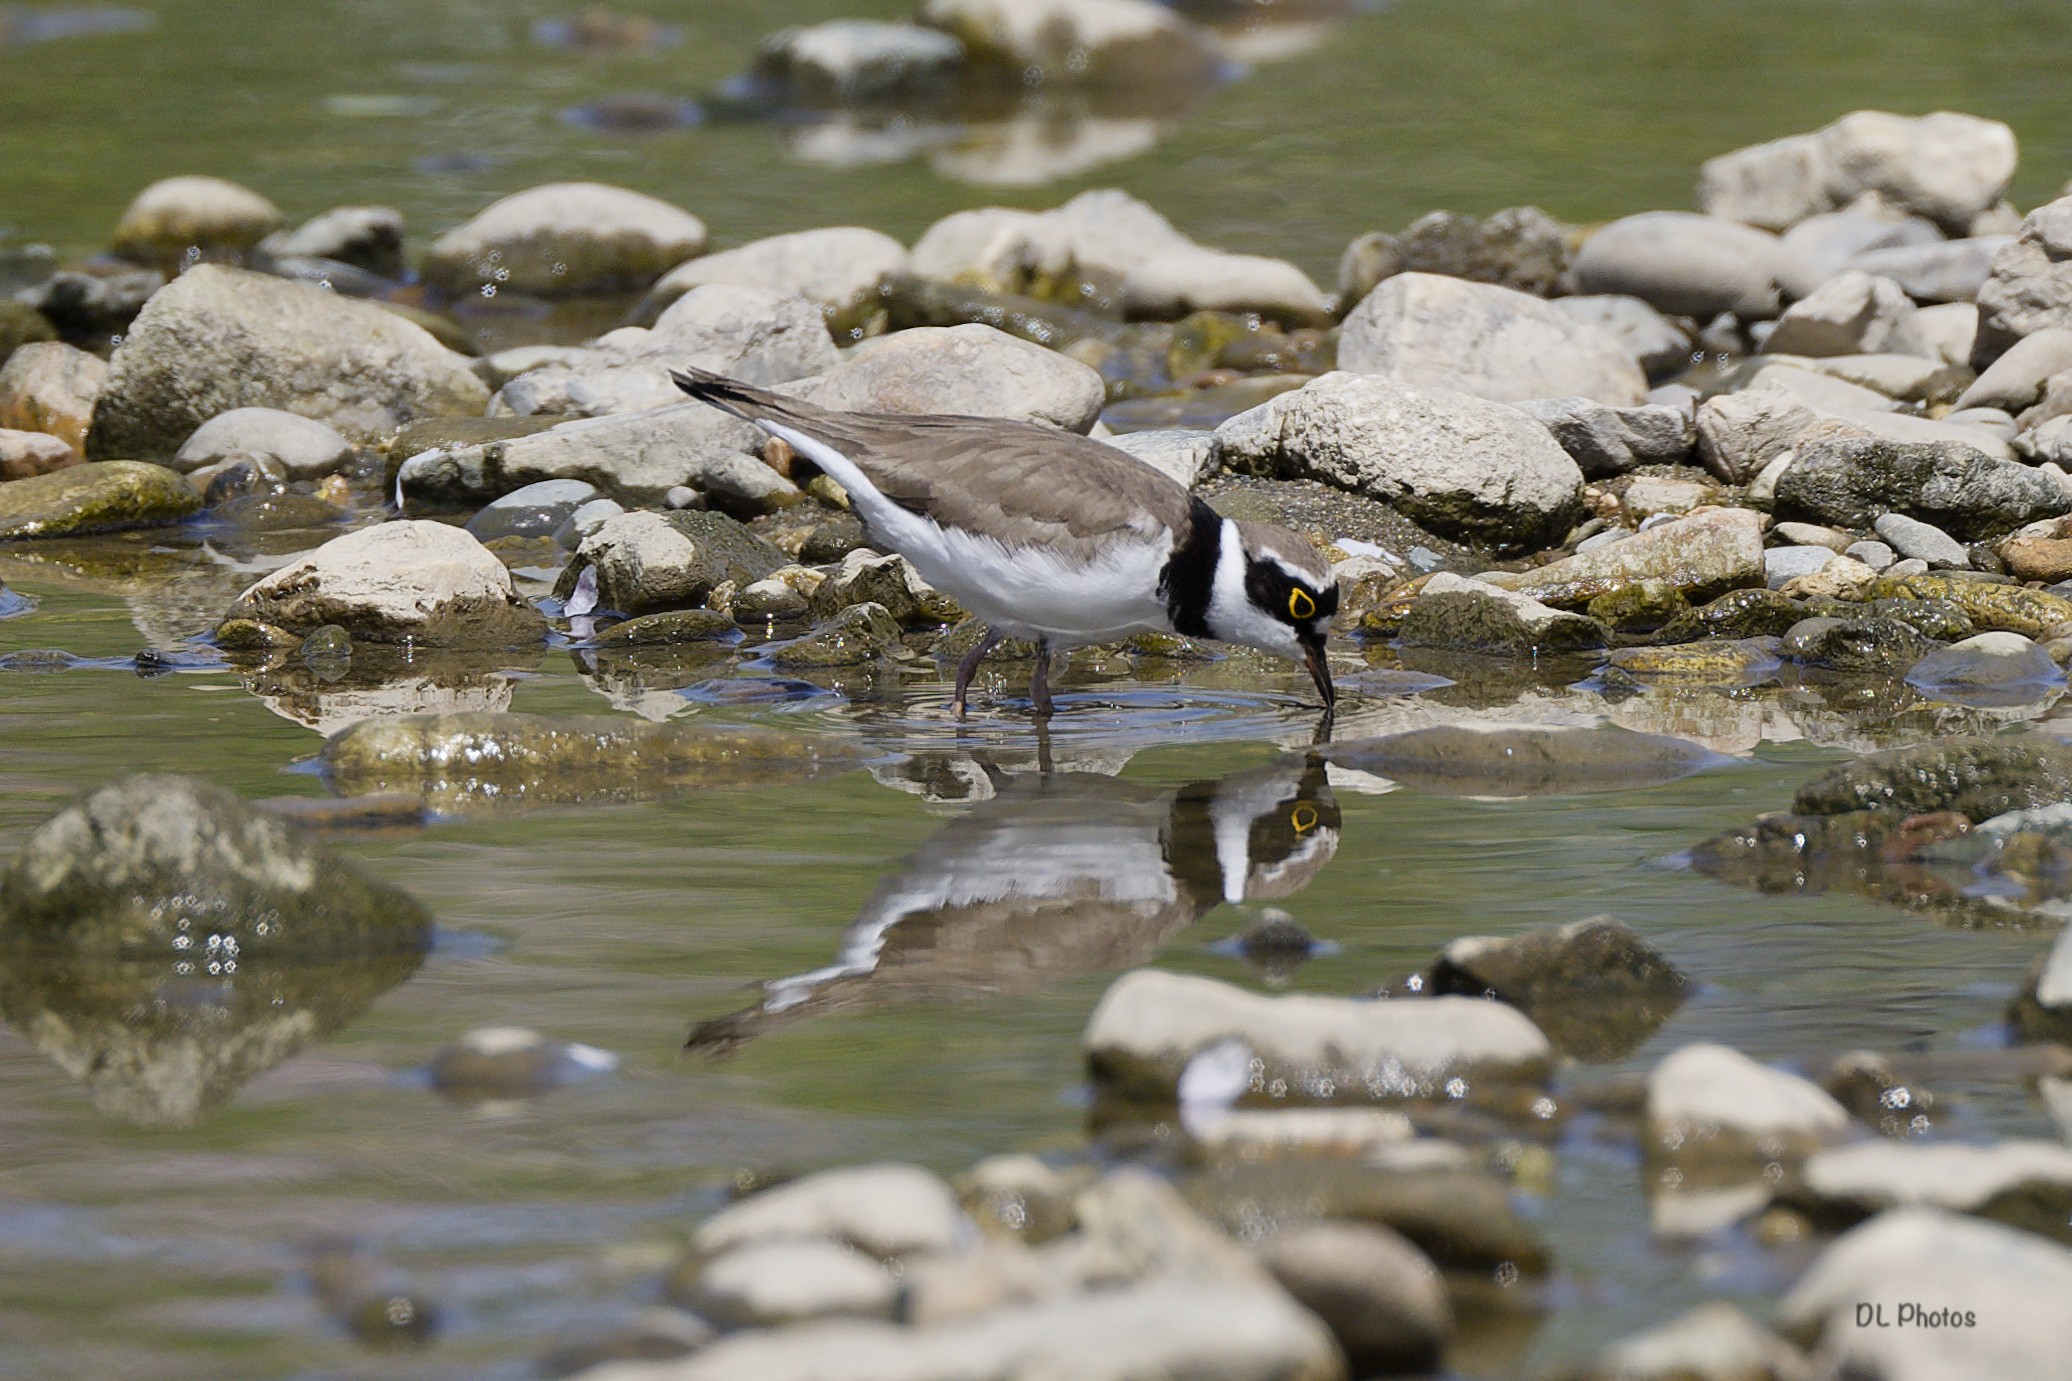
point(1059, 874)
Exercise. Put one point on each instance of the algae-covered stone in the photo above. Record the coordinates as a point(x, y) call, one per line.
point(1990, 606)
point(156, 881)
point(21, 324)
point(1641, 607)
point(220, 338)
point(1465, 615)
point(1706, 662)
point(474, 761)
point(1976, 777)
point(891, 581)
point(407, 581)
point(1754, 612)
point(100, 497)
point(860, 634)
point(674, 626)
point(1880, 644)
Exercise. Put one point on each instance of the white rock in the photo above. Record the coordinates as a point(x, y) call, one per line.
point(1947, 271)
point(1949, 329)
point(2016, 379)
point(771, 1283)
point(562, 239)
point(1709, 1099)
point(1740, 434)
point(304, 448)
point(970, 370)
point(1171, 285)
point(1184, 457)
point(1825, 244)
point(1149, 1025)
point(1851, 314)
point(1433, 332)
point(1946, 167)
point(23, 454)
point(1876, 555)
point(1714, 1342)
point(1661, 345)
point(2030, 286)
point(407, 581)
point(2013, 1284)
point(2011, 1176)
point(1817, 390)
point(1703, 555)
point(206, 213)
point(1460, 465)
point(885, 1211)
point(1066, 42)
point(1610, 441)
point(837, 268)
point(1782, 565)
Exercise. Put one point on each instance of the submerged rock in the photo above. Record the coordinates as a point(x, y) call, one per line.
point(103, 497)
point(1978, 778)
point(165, 943)
point(564, 239)
point(406, 581)
point(1149, 1025)
point(1430, 332)
point(2042, 1010)
point(496, 1063)
point(1988, 606)
point(1594, 986)
point(1503, 761)
point(1458, 465)
point(219, 338)
point(475, 761)
point(859, 635)
point(1708, 662)
point(1990, 665)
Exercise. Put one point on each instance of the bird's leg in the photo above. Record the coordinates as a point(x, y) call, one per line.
point(1039, 683)
point(968, 668)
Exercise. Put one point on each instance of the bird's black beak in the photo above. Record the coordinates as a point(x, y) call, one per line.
point(1319, 669)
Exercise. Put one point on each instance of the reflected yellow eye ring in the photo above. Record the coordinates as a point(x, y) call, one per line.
point(1300, 605)
point(1303, 818)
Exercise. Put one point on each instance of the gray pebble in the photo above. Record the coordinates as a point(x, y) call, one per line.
point(1923, 541)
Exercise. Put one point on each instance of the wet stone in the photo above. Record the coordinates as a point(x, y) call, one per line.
point(858, 635)
point(888, 581)
point(1465, 615)
point(1594, 986)
point(1149, 1025)
point(1707, 662)
point(483, 760)
point(537, 510)
point(1876, 645)
point(1988, 663)
point(1505, 761)
point(1641, 607)
point(1748, 613)
point(493, 1063)
point(647, 562)
point(1991, 607)
point(240, 477)
point(2024, 1184)
point(2042, 1010)
point(1020, 1196)
point(102, 497)
point(1976, 777)
point(1875, 1095)
point(1703, 556)
point(674, 626)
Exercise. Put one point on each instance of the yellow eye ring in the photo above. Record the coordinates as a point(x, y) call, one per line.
point(1303, 818)
point(1300, 605)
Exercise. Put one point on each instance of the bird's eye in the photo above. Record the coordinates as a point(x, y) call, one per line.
point(1303, 818)
point(1300, 605)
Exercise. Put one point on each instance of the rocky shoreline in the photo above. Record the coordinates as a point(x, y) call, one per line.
point(1813, 433)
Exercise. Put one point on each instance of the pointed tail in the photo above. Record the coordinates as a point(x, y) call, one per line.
point(745, 401)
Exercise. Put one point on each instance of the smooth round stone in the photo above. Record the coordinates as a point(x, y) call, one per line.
point(304, 448)
point(585, 520)
point(1876, 555)
point(496, 1062)
point(1988, 661)
point(1603, 539)
point(1781, 565)
point(537, 510)
point(1925, 541)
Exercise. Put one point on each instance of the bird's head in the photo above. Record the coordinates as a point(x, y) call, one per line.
point(1275, 593)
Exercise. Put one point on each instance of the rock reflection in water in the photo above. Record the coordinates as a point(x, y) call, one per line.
point(1494, 760)
point(164, 943)
point(1056, 874)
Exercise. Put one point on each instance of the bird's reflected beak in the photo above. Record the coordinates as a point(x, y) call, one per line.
point(1319, 670)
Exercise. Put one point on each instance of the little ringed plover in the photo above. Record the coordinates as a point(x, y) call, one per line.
point(1050, 536)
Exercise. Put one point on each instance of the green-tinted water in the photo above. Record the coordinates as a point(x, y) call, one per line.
point(182, 1251)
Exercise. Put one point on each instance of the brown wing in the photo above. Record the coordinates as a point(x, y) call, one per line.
point(1026, 484)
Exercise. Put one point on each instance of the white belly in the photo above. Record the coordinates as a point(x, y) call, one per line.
point(1024, 592)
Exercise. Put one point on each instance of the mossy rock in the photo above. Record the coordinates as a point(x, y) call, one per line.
point(105, 496)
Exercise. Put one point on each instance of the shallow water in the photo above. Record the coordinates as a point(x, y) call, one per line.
point(187, 1251)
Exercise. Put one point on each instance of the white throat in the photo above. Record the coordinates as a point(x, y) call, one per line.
point(1232, 617)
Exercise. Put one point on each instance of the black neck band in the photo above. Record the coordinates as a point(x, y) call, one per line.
point(1189, 577)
